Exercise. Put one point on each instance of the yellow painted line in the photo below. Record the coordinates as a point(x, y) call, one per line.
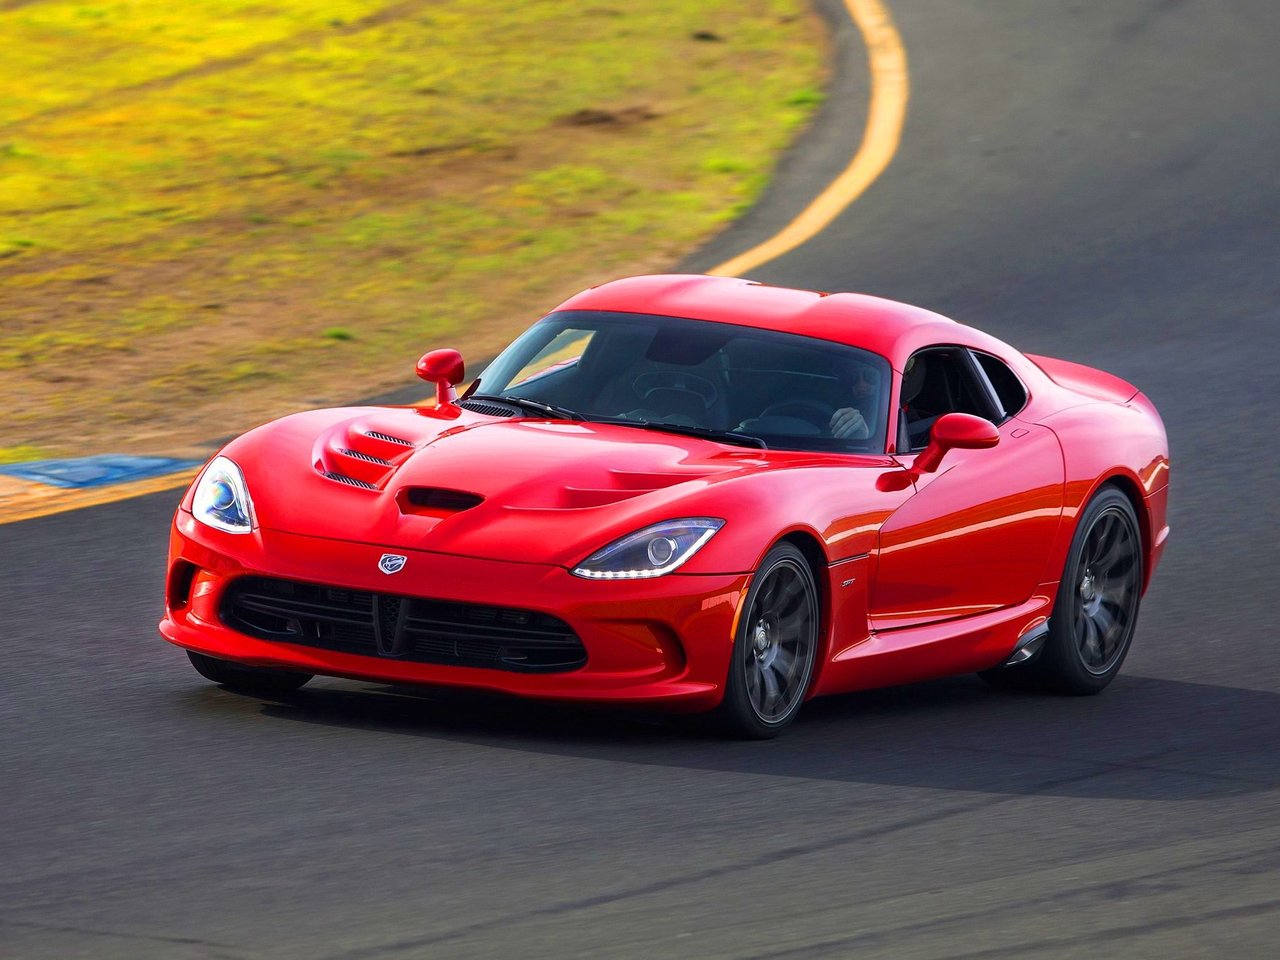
point(886, 115)
point(26, 501)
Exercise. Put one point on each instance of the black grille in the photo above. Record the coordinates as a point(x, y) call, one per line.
point(491, 409)
point(405, 628)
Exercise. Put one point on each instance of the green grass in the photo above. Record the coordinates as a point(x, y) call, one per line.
point(21, 453)
point(229, 208)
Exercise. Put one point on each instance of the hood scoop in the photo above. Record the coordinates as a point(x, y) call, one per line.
point(359, 455)
point(574, 498)
point(511, 463)
point(618, 485)
point(646, 481)
point(436, 501)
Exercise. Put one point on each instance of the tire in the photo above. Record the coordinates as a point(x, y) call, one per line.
point(1096, 608)
point(255, 681)
point(774, 650)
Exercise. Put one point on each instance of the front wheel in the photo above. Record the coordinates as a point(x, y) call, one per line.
point(254, 681)
point(775, 647)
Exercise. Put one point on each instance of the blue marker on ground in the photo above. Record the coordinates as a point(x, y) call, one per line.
point(95, 471)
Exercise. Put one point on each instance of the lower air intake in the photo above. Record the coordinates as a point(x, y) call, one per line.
point(405, 628)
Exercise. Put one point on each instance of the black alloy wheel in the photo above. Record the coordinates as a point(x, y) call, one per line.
point(774, 651)
point(1096, 609)
point(254, 681)
point(1106, 603)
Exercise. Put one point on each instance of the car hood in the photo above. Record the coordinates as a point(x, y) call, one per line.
point(540, 491)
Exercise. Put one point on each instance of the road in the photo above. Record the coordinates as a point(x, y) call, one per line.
point(1092, 181)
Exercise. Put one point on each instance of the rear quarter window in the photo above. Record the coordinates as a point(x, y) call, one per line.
point(1009, 389)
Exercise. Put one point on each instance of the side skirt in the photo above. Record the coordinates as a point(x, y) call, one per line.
point(963, 645)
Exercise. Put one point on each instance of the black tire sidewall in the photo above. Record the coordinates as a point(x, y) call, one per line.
point(1060, 665)
point(735, 713)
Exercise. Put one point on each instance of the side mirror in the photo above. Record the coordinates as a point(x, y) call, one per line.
point(955, 431)
point(445, 369)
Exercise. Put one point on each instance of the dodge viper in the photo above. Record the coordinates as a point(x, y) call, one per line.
point(694, 493)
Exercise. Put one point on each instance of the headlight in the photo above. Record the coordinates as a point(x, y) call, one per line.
point(222, 499)
point(650, 552)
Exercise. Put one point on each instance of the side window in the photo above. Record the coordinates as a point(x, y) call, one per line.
point(937, 382)
point(1009, 389)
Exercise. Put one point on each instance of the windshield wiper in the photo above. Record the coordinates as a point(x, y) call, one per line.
point(707, 433)
point(525, 403)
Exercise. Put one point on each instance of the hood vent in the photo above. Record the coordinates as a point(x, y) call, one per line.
point(437, 501)
point(356, 456)
point(350, 481)
point(367, 457)
point(388, 438)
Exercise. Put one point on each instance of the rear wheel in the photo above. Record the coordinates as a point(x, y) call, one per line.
point(255, 681)
point(774, 650)
point(1096, 609)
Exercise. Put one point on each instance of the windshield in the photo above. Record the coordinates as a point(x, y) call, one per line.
point(792, 392)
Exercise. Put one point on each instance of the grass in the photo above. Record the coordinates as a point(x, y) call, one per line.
point(211, 214)
point(21, 454)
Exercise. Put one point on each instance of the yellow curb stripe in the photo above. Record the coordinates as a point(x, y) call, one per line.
point(40, 499)
point(886, 115)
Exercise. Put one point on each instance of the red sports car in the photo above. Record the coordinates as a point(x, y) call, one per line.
point(690, 492)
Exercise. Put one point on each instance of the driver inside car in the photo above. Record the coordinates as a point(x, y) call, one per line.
point(844, 410)
point(849, 423)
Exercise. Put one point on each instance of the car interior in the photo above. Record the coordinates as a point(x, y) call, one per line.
point(939, 381)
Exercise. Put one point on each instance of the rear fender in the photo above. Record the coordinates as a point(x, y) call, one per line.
point(1087, 381)
point(1108, 443)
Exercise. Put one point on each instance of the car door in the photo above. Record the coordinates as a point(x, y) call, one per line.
point(976, 534)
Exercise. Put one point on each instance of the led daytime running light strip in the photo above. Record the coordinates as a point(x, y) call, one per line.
point(645, 574)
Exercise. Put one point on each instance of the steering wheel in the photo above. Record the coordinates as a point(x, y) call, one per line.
point(690, 383)
point(810, 411)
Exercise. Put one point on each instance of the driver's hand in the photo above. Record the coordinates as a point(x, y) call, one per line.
point(847, 423)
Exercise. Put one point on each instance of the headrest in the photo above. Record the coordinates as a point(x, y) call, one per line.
point(913, 379)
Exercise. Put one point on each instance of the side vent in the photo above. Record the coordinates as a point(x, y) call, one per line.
point(436, 501)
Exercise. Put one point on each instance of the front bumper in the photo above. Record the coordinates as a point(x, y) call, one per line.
point(663, 641)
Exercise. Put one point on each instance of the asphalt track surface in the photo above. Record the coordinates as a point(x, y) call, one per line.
point(1093, 181)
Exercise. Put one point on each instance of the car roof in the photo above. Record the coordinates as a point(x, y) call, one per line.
point(892, 329)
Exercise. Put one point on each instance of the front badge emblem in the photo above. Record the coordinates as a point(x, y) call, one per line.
point(391, 563)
